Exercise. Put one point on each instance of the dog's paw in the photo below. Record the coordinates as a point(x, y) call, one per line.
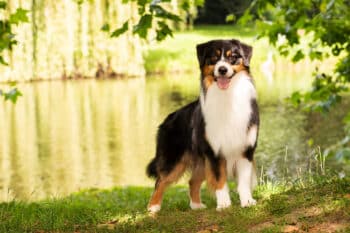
point(223, 199)
point(223, 206)
point(197, 206)
point(248, 202)
point(153, 209)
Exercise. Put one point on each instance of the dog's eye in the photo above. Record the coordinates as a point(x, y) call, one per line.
point(213, 59)
point(233, 59)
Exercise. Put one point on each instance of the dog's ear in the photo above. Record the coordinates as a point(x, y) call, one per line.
point(202, 52)
point(245, 50)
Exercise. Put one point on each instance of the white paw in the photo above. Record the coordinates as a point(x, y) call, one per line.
point(222, 198)
point(197, 206)
point(154, 209)
point(248, 202)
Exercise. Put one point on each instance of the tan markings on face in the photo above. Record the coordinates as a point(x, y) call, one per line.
point(208, 74)
point(228, 53)
point(217, 52)
point(208, 81)
point(239, 66)
point(208, 70)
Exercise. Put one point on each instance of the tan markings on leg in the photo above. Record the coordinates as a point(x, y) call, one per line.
point(209, 175)
point(223, 178)
point(165, 180)
point(198, 176)
point(214, 183)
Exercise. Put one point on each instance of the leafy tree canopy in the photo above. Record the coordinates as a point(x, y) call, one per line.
point(327, 25)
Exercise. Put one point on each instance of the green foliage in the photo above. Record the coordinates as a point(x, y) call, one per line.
point(325, 26)
point(121, 30)
point(143, 26)
point(7, 41)
point(19, 16)
point(221, 11)
point(230, 18)
point(11, 95)
point(152, 16)
point(7, 36)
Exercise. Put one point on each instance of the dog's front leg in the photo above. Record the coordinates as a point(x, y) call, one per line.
point(217, 179)
point(245, 176)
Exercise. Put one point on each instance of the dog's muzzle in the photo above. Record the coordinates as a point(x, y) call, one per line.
point(222, 79)
point(223, 74)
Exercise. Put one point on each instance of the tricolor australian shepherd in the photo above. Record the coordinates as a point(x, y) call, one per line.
point(215, 136)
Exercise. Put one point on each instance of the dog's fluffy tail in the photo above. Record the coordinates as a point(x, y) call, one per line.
point(152, 169)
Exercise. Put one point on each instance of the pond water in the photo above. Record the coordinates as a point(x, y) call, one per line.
point(62, 137)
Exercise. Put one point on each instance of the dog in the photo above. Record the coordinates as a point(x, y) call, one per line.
point(216, 135)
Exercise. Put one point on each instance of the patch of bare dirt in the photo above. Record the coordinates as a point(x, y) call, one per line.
point(296, 224)
point(261, 226)
point(210, 229)
point(290, 228)
point(327, 227)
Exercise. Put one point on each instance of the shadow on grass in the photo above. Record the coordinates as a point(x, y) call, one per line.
point(124, 210)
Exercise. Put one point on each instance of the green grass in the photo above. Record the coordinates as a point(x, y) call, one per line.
point(321, 206)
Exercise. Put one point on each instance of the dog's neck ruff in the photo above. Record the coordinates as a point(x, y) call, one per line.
point(227, 113)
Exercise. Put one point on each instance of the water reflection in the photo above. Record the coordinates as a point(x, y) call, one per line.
point(65, 136)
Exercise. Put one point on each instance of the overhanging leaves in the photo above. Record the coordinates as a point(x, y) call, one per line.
point(160, 12)
point(143, 26)
point(12, 95)
point(152, 14)
point(7, 40)
point(163, 31)
point(121, 30)
point(19, 16)
point(2, 5)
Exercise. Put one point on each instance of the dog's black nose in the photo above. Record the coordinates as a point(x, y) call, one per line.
point(222, 70)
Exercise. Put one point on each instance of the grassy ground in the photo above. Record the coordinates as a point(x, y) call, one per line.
point(323, 206)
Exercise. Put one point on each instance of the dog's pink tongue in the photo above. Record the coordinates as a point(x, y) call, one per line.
point(223, 83)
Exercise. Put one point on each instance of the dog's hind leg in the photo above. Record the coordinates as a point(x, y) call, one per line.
point(163, 181)
point(197, 178)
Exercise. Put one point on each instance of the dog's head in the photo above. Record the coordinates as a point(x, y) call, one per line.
point(220, 60)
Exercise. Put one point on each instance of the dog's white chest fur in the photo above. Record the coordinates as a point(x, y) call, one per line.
point(227, 114)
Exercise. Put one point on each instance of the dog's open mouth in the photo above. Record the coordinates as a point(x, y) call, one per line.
point(223, 82)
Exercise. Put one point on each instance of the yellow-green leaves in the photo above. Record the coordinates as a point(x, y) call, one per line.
point(19, 16)
point(11, 95)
